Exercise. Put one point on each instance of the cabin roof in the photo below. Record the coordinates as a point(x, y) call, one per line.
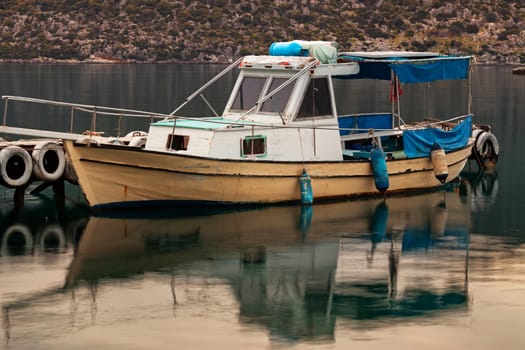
point(281, 62)
point(203, 123)
point(390, 54)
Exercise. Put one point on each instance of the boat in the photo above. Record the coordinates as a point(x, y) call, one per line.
point(280, 137)
point(518, 70)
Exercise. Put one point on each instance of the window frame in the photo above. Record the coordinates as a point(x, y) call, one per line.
point(181, 142)
point(289, 89)
point(240, 90)
point(247, 139)
point(330, 100)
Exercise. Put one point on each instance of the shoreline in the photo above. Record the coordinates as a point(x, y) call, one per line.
point(46, 60)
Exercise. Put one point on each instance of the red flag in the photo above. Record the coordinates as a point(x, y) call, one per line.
point(395, 89)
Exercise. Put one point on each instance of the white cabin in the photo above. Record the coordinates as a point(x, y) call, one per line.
point(281, 108)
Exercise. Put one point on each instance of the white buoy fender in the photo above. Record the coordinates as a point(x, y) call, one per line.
point(49, 161)
point(437, 154)
point(15, 166)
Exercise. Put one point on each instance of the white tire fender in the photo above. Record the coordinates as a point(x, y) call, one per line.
point(49, 161)
point(484, 138)
point(15, 166)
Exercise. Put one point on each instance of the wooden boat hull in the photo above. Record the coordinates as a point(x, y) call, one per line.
point(126, 176)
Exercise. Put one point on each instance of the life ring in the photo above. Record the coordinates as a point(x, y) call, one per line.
point(52, 233)
point(15, 166)
point(12, 232)
point(49, 161)
point(486, 149)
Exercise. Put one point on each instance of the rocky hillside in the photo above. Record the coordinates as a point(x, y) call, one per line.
point(221, 30)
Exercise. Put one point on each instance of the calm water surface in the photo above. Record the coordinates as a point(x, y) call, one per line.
point(441, 270)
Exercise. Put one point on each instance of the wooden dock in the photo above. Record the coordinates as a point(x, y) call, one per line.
point(26, 161)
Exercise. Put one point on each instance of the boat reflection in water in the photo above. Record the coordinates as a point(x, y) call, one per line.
point(295, 271)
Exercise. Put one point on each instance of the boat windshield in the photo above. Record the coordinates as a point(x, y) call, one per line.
point(316, 101)
point(253, 88)
point(248, 93)
point(277, 103)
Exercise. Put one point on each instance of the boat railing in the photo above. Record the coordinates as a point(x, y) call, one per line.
point(379, 123)
point(437, 123)
point(75, 109)
point(382, 125)
point(199, 91)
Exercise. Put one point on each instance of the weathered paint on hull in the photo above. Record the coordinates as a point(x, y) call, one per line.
point(115, 175)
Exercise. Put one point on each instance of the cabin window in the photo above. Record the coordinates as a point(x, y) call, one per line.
point(277, 102)
point(177, 142)
point(253, 145)
point(248, 93)
point(316, 100)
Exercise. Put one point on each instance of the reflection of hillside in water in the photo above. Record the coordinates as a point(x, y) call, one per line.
point(294, 270)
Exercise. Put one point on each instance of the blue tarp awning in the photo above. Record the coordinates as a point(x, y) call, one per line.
point(411, 70)
point(451, 69)
point(418, 143)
